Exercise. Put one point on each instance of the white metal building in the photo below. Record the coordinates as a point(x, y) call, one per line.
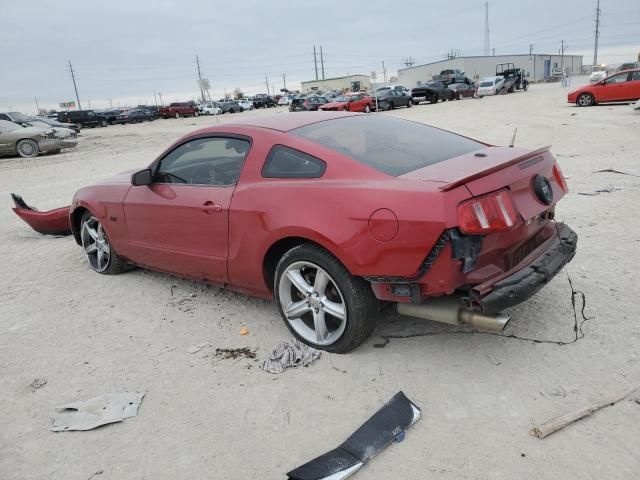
point(537, 66)
point(353, 83)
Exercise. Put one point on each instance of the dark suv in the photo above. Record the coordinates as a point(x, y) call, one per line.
point(83, 118)
point(263, 100)
point(303, 104)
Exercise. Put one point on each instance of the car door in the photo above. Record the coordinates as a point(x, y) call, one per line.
point(633, 86)
point(179, 223)
point(614, 88)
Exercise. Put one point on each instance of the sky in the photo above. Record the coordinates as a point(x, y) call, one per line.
point(123, 51)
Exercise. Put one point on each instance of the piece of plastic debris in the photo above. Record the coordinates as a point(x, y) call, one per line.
point(386, 426)
point(38, 383)
point(290, 355)
point(196, 348)
point(97, 411)
point(244, 331)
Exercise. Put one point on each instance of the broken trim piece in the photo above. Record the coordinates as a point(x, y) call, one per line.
point(385, 426)
point(52, 222)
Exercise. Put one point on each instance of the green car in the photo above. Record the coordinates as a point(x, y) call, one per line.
point(27, 142)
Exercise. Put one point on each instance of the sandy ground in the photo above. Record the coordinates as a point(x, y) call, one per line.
point(203, 417)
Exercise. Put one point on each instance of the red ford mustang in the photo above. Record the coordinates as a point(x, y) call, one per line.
point(332, 213)
point(350, 102)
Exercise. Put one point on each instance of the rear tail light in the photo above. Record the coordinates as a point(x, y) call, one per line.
point(557, 174)
point(490, 213)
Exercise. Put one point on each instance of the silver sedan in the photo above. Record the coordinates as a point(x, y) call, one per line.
point(27, 142)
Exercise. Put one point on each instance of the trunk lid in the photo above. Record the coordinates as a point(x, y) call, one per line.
point(494, 168)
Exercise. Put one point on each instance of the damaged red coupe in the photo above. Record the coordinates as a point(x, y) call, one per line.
point(332, 214)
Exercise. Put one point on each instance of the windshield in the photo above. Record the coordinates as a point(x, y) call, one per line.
point(390, 145)
point(18, 117)
point(341, 98)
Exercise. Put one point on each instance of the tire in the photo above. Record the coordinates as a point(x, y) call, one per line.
point(251, 107)
point(104, 123)
point(196, 114)
point(585, 100)
point(27, 148)
point(80, 125)
point(345, 109)
point(177, 115)
point(231, 110)
point(367, 108)
point(348, 296)
point(434, 98)
point(409, 104)
point(96, 246)
point(390, 106)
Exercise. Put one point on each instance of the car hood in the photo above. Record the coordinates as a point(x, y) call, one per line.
point(122, 177)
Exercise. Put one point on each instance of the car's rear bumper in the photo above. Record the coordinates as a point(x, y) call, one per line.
point(549, 258)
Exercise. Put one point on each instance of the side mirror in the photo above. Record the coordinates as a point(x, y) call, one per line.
point(143, 177)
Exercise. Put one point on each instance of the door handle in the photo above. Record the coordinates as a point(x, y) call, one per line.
point(210, 207)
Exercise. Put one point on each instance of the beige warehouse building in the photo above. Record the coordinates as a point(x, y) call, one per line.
point(537, 66)
point(353, 83)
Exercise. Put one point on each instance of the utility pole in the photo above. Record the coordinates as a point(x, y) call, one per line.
point(486, 29)
point(384, 72)
point(200, 79)
point(562, 49)
point(75, 87)
point(284, 80)
point(595, 49)
point(531, 45)
point(315, 61)
point(37, 106)
point(408, 61)
point(266, 80)
point(155, 100)
point(494, 52)
point(322, 61)
point(160, 96)
point(111, 103)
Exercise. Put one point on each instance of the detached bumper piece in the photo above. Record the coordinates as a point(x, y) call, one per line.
point(386, 425)
point(53, 222)
point(516, 288)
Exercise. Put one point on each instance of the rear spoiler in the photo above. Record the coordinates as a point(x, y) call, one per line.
point(521, 159)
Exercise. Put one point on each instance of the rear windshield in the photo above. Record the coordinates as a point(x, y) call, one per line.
point(390, 145)
point(487, 84)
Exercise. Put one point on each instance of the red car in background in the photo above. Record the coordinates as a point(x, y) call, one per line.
point(331, 213)
point(179, 109)
point(350, 102)
point(619, 87)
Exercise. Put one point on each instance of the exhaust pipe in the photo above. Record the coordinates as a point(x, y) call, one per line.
point(449, 309)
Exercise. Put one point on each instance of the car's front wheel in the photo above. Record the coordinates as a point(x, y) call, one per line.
point(585, 100)
point(99, 251)
point(321, 303)
point(177, 115)
point(367, 108)
point(196, 114)
point(27, 148)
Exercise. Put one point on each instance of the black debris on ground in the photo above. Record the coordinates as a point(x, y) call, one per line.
point(234, 353)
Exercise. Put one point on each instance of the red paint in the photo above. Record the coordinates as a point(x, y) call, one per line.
point(375, 224)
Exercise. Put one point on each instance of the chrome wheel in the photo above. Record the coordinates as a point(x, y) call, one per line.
point(27, 148)
point(585, 100)
point(95, 244)
point(312, 303)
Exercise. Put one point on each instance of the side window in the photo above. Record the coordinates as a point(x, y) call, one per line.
point(4, 117)
point(204, 161)
point(618, 78)
point(635, 76)
point(285, 162)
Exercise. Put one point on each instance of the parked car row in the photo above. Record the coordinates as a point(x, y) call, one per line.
point(30, 138)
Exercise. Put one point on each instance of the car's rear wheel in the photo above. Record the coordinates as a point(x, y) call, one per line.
point(99, 251)
point(27, 148)
point(80, 125)
point(321, 303)
point(177, 115)
point(409, 104)
point(104, 123)
point(345, 109)
point(195, 114)
point(434, 98)
point(585, 100)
